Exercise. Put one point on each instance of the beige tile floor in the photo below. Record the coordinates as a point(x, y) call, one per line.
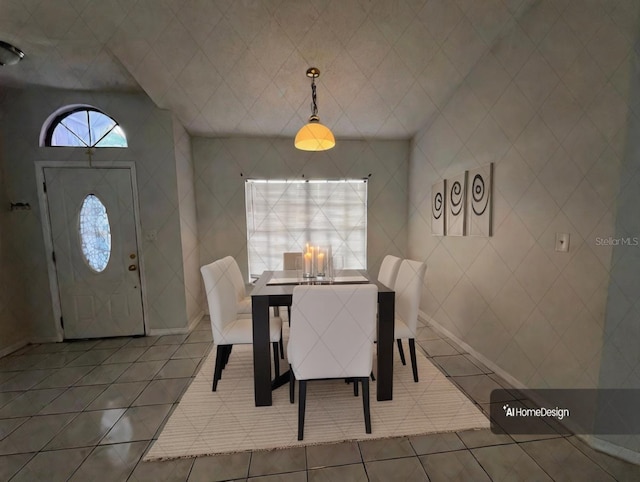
point(88, 410)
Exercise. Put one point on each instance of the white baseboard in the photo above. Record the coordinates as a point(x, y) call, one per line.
point(195, 320)
point(13, 347)
point(592, 441)
point(46, 339)
point(176, 331)
point(422, 316)
point(611, 449)
point(151, 332)
point(167, 331)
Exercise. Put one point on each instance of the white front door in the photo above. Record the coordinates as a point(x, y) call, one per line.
point(93, 230)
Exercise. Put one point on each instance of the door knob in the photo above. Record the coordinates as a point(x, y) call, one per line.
point(132, 267)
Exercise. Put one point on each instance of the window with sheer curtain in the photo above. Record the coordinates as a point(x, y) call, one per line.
point(283, 216)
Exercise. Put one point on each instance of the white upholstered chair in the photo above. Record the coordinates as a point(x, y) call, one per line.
point(291, 261)
point(408, 287)
point(227, 325)
point(243, 301)
point(389, 270)
point(332, 337)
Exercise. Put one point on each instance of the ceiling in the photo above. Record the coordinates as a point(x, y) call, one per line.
point(237, 67)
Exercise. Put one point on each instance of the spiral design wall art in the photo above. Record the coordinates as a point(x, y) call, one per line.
point(480, 201)
point(456, 198)
point(455, 202)
point(438, 194)
point(454, 212)
point(438, 206)
point(479, 195)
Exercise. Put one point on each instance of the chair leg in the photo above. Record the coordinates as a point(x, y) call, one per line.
point(401, 351)
point(365, 404)
point(373, 378)
point(412, 353)
point(292, 385)
point(217, 371)
point(276, 359)
point(281, 337)
point(227, 354)
point(281, 343)
point(302, 399)
point(355, 387)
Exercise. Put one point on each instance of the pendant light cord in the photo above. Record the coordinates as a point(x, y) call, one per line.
point(314, 104)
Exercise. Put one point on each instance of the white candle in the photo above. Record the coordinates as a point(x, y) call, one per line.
point(307, 262)
point(320, 262)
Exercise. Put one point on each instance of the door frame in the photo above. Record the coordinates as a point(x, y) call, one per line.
point(43, 201)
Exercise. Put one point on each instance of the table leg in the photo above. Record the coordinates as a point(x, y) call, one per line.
point(261, 351)
point(386, 315)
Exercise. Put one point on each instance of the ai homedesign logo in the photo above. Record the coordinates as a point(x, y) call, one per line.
point(556, 412)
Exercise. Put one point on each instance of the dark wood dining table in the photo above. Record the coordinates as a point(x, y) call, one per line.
point(265, 294)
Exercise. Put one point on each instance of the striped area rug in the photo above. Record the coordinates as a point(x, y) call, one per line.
point(227, 421)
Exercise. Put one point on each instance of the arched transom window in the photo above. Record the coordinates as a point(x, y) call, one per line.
point(85, 127)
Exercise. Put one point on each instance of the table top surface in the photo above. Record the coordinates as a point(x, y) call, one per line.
point(274, 283)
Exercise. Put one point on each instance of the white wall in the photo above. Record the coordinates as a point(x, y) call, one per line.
point(222, 165)
point(14, 327)
point(188, 223)
point(149, 132)
point(620, 366)
point(548, 103)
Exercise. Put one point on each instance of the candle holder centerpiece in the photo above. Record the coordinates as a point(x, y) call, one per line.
point(315, 261)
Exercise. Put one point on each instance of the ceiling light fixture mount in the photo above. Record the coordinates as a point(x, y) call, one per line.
point(9, 54)
point(314, 136)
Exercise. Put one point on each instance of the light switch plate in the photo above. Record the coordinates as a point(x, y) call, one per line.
point(562, 242)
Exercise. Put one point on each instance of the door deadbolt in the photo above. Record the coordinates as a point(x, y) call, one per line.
point(132, 256)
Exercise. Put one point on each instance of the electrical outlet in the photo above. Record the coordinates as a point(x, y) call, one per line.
point(562, 242)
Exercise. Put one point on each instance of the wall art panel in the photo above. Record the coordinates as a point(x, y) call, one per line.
point(438, 211)
point(479, 204)
point(456, 189)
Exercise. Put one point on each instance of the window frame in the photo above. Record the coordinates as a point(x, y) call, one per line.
point(344, 235)
point(58, 118)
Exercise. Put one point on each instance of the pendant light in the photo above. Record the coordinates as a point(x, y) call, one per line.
point(314, 136)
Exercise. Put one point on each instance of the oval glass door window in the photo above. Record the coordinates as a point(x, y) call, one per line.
point(95, 233)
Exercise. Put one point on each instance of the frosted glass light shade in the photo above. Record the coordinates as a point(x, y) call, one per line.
point(314, 137)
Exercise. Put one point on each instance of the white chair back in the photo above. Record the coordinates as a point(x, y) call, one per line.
point(389, 270)
point(333, 332)
point(236, 277)
point(221, 294)
point(408, 288)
